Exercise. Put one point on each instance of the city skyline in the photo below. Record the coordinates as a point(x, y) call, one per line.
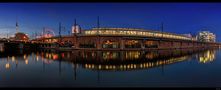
point(180, 18)
point(110, 44)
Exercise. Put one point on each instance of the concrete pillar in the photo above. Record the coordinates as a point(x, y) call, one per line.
point(171, 44)
point(181, 44)
point(159, 42)
point(142, 44)
point(122, 44)
point(99, 55)
point(122, 55)
point(174, 45)
point(196, 44)
point(98, 43)
point(76, 42)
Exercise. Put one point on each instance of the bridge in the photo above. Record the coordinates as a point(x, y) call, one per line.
point(121, 39)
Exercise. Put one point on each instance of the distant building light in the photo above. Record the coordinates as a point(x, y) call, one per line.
point(206, 36)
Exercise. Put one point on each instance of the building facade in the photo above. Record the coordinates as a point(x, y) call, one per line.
point(21, 37)
point(206, 36)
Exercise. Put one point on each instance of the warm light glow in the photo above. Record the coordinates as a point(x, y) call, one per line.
point(136, 66)
point(55, 56)
point(208, 56)
point(109, 55)
point(132, 55)
point(49, 55)
point(26, 61)
point(13, 58)
point(25, 56)
point(7, 65)
point(99, 66)
point(37, 58)
point(134, 32)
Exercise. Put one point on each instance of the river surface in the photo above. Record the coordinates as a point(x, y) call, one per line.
point(156, 68)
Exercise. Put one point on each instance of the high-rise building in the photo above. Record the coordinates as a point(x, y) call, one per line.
point(206, 36)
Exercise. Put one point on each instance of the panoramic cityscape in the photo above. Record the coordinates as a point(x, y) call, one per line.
point(110, 45)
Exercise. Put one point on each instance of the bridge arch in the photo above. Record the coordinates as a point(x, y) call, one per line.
point(87, 43)
point(133, 43)
point(110, 44)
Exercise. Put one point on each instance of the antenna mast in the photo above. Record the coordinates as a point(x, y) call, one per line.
point(60, 30)
point(16, 25)
point(75, 26)
point(98, 22)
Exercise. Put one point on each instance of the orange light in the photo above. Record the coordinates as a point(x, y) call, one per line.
point(26, 61)
point(7, 66)
point(55, 56)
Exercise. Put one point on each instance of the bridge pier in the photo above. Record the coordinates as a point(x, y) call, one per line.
point(98, 43)
point(142, 44)
point(122, 44)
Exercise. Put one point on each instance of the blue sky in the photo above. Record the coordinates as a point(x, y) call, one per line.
point(177, 17)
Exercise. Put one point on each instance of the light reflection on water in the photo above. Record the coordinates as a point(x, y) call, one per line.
point(110, 68)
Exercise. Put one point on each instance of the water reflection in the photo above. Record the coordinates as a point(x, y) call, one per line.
point(1, 47)
point(111, 60)
point(207, 56)
point(128, 60)
point(83, 66)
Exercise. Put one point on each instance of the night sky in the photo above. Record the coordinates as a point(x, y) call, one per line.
point(178, 18)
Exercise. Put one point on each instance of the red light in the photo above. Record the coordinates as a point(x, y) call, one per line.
point(62, 54)
point(55, 56)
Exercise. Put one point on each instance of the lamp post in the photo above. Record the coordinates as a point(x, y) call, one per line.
point(59, 32)
point(162, 29)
